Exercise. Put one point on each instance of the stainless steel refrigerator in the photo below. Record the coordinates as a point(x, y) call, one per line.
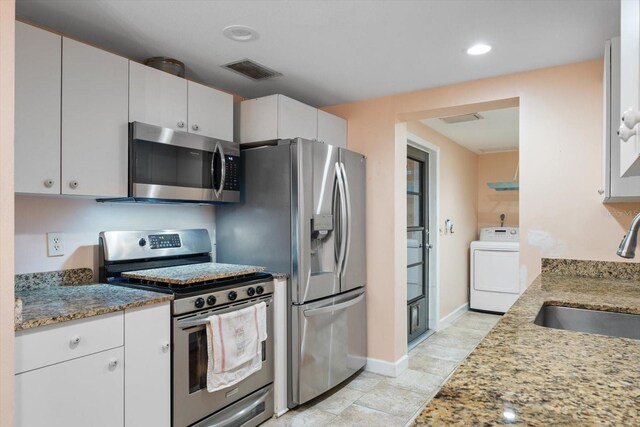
point(302, 212)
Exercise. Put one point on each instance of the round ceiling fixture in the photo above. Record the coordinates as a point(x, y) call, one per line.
point(240, 33)
point(478, 49)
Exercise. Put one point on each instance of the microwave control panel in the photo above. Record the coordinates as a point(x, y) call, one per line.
point(232, 173)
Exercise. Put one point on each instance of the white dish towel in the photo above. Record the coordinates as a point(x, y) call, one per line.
point(234, 345)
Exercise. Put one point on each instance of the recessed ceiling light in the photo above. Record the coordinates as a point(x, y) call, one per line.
point(479, 49)
point(240, 33)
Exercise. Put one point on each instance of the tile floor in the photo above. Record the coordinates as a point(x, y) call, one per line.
point(372, 400)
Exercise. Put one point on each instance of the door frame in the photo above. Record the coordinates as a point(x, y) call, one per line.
point(434, 220)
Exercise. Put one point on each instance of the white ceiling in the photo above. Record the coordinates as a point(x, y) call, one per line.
point(332, 51)
point(496, 131)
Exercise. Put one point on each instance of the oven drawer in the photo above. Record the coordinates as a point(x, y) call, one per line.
point(46, 345)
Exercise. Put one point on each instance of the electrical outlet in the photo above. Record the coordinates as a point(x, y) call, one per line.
point(55, 244)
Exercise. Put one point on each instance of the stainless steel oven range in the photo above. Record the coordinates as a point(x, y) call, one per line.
point(247, 403)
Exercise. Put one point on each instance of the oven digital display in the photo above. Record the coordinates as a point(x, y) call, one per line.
point(164, 241)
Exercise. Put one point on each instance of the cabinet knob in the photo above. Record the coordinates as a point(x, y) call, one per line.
point(73, 185)
point(113, 364)
point(180, 124)
point(75, 340)
point(195, 127)
point(625, 133)
point(631, 118)
point(165, 347)
point(48, 183)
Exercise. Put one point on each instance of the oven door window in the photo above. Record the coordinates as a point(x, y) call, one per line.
point(164, 164)
point(198, 358)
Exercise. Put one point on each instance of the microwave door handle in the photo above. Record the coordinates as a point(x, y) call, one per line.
point(348, 209)
point(223, 167)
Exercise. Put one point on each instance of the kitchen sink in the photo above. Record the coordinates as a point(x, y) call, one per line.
point(591, 321)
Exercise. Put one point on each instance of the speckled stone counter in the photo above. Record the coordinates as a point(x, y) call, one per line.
point(526, 374)
point(186, 274)
point(45, 301)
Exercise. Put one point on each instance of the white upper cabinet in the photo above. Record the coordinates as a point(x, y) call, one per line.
point(161, 99)
point(332, 129)
point(94, 121)
point(280, 117)
point(37, 113)
point(157, 98)
point(210, 112)
point(296, 120)
point(629, 86)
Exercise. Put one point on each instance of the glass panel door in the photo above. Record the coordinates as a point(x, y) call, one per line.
point(417, 242)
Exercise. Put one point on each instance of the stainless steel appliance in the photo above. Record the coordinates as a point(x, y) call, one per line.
point(173, 166)
point(247, 403)
point(303, 212)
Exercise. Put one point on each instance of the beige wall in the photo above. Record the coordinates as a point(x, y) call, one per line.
point(7, 65)
point(458, 181)
point(81, 219)
point(497, 167)
point(561, 214)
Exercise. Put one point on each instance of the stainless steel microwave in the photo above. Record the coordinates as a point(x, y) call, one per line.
point(168, 165)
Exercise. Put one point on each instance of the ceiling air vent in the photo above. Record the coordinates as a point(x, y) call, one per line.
point(461, 118)
point(251, 69)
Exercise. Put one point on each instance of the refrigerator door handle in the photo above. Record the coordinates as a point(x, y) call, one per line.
point(333, 308)
point(348, 223)
point(343, 218)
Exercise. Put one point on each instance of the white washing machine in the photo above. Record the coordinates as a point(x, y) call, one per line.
point(495, 269)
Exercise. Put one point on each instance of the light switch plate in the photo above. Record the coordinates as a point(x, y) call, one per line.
point(55, 244)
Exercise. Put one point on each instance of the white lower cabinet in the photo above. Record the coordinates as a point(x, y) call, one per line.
point(86, 391)
point(110, 370)
point(148, 369)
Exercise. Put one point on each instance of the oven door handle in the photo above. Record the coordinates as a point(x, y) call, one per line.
point(203, 320)
point(238, 415)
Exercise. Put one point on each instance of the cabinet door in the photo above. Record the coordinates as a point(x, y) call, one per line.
point(257, 119)
point(296, 120)
point(157, 98)
point(37, 114)
point(148, 358)
point(210, 112)
point(94, 121)
point(332, 129)
point(629, 81)
point(87, 391)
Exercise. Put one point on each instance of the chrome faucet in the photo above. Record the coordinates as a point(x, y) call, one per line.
point(627, 247)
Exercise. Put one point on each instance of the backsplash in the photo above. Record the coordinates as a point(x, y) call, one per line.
point(75, 276)
point(593, 269)
point(81, 219)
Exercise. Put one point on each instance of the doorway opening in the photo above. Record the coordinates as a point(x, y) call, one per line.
point(421, 172)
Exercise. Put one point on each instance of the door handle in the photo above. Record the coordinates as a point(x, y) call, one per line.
point(343, 218)
point(335, 307)
point(348, 224)
point(223, 170)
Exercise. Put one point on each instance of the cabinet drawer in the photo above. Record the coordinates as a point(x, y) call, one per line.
point(38, 347)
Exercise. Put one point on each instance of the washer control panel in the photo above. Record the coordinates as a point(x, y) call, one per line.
point(500, 234)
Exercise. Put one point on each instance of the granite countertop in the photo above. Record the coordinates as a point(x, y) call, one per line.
point(54, 297)
point(526, 374)
point(186, 274)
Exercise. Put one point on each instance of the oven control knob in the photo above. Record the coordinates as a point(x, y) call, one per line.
point(251, 292)
point(142, 242)
point(199, 302)
point(211, 300)
point(232, 296)
point(259, 290)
